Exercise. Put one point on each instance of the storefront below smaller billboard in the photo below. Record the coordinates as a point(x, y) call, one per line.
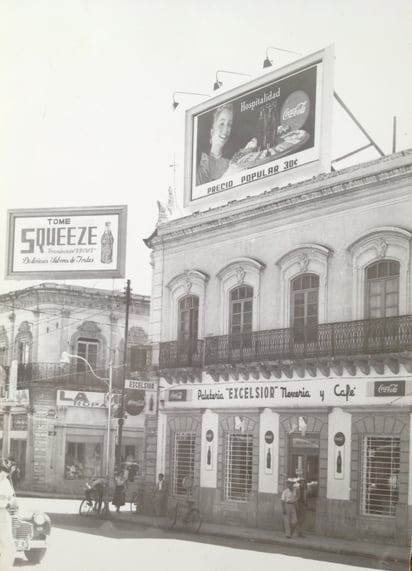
point(73, 243)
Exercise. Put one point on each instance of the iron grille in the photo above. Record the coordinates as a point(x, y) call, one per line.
point(380, 478)
point(183, 462)
point(238, 472)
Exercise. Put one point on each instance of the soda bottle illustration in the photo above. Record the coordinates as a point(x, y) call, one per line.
point(107, 241)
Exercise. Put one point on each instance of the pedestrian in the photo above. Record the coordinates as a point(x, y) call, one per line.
point(289, 499)
point(7, 549)
point(160, 495)
point(301, 506)
point(119, 496)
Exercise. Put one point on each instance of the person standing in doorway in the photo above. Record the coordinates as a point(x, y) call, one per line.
point(160, 495)
point(289, 500)
point(301, 506)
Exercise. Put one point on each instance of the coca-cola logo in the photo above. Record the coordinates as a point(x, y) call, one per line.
point(389, 388)
point(295, 110)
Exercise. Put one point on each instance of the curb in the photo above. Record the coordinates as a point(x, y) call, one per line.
point(281, 541)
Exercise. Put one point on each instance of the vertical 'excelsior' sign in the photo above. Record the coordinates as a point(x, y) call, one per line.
point(67, 243)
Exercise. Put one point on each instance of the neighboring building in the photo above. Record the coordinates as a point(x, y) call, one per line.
point(282, 328)
point(55, 421)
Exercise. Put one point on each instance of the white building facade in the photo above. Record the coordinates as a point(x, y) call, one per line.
point(282, 329)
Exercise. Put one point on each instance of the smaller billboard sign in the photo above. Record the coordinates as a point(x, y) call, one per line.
point(74, 243)
point(85, 399)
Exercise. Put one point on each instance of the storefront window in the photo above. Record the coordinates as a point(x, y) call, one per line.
point(183, 462)
point(238, 467)
point(380, 475)
point(83, 459)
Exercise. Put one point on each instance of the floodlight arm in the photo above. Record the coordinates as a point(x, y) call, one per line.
point(176, 103)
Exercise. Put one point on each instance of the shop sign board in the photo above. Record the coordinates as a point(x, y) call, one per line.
point(81, 399)
point(389, 388)
point(67, 243)
point(19, 422)
point(274, 124)
point(335, 392)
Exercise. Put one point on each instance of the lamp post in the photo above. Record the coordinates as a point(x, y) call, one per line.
point(65, 358)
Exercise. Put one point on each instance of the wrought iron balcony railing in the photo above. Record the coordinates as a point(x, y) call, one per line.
point(181, 354)
point(61, 375)
point(363, 337)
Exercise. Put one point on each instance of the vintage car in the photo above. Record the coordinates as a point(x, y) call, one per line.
point(30, 532)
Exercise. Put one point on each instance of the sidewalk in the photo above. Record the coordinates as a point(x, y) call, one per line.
point(377, 551)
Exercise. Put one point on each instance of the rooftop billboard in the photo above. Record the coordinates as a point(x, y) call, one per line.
point(274, 124)
point(67, 243)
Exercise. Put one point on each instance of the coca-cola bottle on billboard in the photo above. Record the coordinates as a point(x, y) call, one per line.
point(107, 241)
point(274, 124)
point(339, 463)
point(260, 130)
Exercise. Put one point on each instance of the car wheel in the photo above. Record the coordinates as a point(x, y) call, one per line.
point(35, 555)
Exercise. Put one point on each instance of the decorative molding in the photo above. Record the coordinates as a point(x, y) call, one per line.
point(305, 258)
point(190, 282)
point(385, 242)
point(309, 191)
point(240, 271)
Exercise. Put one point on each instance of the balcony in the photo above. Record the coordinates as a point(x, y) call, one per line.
point(61, 375)
point(363, 337)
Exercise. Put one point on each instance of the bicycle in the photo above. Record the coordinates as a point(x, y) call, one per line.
point(188, 515)
point(89, 504)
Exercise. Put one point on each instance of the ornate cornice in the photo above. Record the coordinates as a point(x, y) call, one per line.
point(72, 296)
point(307, 192)
point(294, 369)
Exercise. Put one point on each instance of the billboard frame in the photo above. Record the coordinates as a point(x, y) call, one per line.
point(322, 128)
point(99, 211)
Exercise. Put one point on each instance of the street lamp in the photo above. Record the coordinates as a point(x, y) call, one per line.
point(65, 358)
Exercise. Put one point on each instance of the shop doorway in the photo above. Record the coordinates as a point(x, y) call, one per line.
point(304, 463)
point(18, 452)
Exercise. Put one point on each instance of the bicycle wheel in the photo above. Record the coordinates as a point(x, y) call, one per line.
point(85, 507)
point(105, 510)
point(193, 520)
point(134, 503)
point(174, 517)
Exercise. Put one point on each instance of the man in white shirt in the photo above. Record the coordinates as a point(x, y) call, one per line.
point(289, 499)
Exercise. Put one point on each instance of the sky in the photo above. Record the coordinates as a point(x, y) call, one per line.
point(86, 88)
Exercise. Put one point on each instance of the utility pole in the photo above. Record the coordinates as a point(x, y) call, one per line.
point(121, 412)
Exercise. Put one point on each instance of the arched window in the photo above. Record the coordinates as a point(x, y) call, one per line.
point(188, 325)
point(382, 289)
point(305, 307)
point(241, 316)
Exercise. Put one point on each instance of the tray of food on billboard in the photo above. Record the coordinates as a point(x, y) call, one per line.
point(258, 130)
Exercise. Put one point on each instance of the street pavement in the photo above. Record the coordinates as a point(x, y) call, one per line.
point(380, 553)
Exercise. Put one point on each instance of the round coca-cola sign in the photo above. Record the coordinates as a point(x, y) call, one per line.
point(134, 402)
point(295, 110)
point(209, 435)
point(269, 437)
point(339, 439)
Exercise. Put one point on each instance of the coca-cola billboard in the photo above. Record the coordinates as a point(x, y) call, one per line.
point(269, 126)
point(389, 388)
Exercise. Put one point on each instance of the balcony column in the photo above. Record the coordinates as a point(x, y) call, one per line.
point(269, 452)
point(209, 449)
point(35, 348)
point(339, 455)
